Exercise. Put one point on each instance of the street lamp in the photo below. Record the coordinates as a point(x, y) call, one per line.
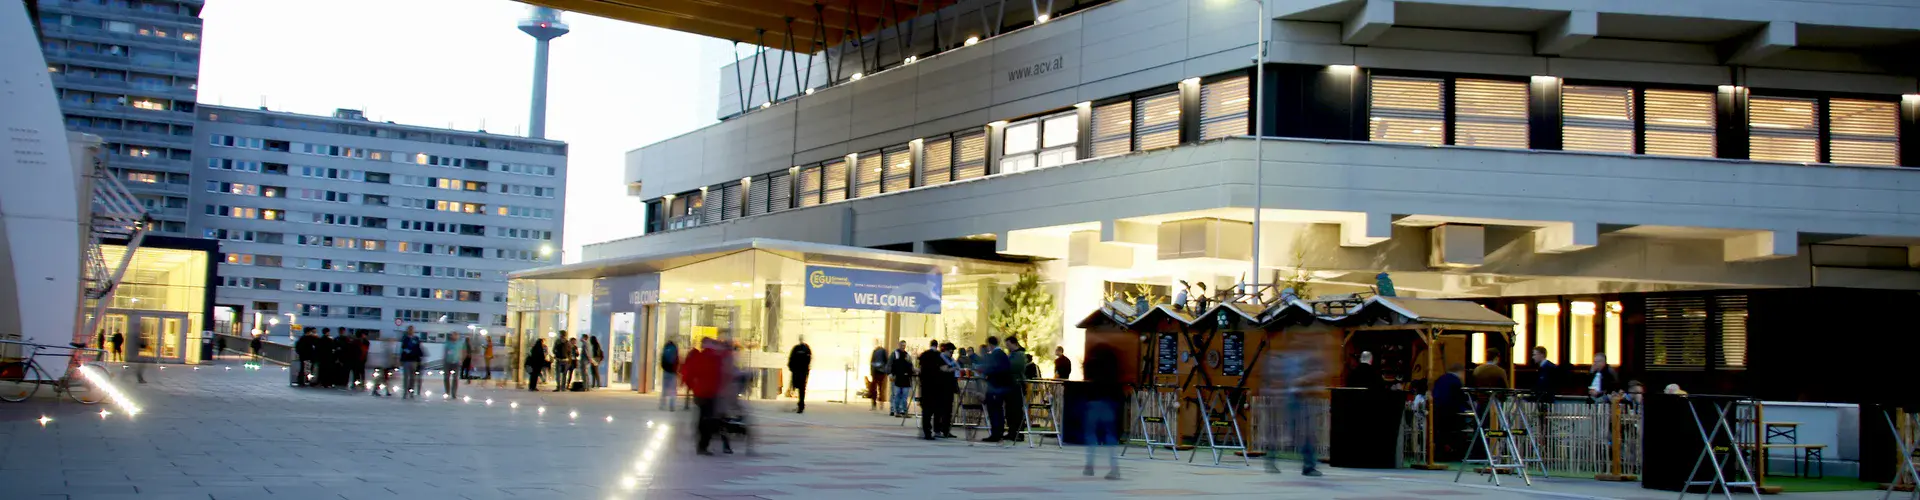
point(1259, 131)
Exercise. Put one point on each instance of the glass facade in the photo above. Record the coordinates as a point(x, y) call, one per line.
point(159, 308)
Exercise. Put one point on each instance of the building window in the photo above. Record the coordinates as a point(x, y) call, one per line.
point(780, 192)
point(899, 169)
point(1223, 108)
point(969, 156)
point(1599, 119)
point(756, 197)
point(1784, 129)
point(1156, 121)
point(1406, 110)
point(810, 184)
point(731, 202)
point(1546, 329)
point(1112, 129)
point(1521, 347)
point(1679, 123)
point(1863, 132)
point(833, 182)
point(937, 168)
point(1612, 333)
point(1490, 113)
point(1041, 142)
point(868, 170)
point(1581, 339)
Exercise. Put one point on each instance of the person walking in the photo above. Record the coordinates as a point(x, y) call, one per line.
point(136, 351)
point(119, 340)
point(535, 363)
point(563, 356)
point(342, 359)
point(1298, 370)
point(1062, 367)
point(450, 365)
point(1546, 374)
point(800, 362)
point(488, 345)
point(877, 365)
point(599, 359)
point(1490, 375)
point(1103, 393)
point(1020, 364)
point(410, 356)
point(358, 371)
point(703, 373)
point(303, 358)
point(998, 371)
point(901, 370)
point(669, 374)
point(219, 345)
point(256, 345)
point(466, 360)
point(935, 377)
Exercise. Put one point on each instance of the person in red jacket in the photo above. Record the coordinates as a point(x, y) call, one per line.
point(702, 373)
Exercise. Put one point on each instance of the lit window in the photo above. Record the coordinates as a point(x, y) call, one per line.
point(1547, 329)
point(1490, 113)
point(937, 167)
point(1520, 345)
point(899, 169)
point(1597, 119)
point(1406, 110)
point(970, 156)
point(1863, 132)
point(1112, 129)
point(1784, 129)
point(1581, 341)
point(1477, 349)
point(1223, 108)
point(834, 181)
point(867, 171)
point(143, 177)
point(1680, 123)
point(1612, 340)
point(1156, 121)
point(1039, 143)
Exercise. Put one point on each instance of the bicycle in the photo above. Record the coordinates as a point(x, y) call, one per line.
point(16, 386)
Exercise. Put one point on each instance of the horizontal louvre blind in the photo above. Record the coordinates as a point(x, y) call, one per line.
point(731, 202)
point(1156, 121)
point(899, 170)
point(833, 184)
point(780, 196)
point(937, 168)
point(1676, 334)
point(1490, 113)
point(868, 174)
point(1112, 129)
point(970, 157)
point(1597, 119)
point(710, 208)
point(757, 197)
point(1863, 132)
point(1784, 129)
point(810, 183)
point(1680, 123)
point(1730, 314)
point(1223, 108)
point(1405, 110)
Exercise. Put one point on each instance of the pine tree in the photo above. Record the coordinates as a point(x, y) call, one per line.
point(1026, 312)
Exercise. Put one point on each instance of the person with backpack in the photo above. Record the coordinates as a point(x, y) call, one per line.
point(669, 375)
point(410, 355)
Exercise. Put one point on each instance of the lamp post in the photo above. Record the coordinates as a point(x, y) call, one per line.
point(1259, 130)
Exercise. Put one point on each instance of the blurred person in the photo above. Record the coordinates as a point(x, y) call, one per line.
point(1490, 375)
point(1636, 392)
point(1062, 367)
point(599, 359)
point(563, 359)
point(138, 359)
point(324, 352)
point(356, 362)
point(256, 345)
point(703, 373)
point(466, 359)
point(1292, 374)
point(800, 362)
point(1101, 371)
point(488, 342)
point(1449, 407)
point(450, 365)
point(410, 355)
point(219, 344)
point(936, 389)
point(1018, 365)
point(1365, 375)
point(1675, 389)
point(535, 364)
point(900, 368)
point(669, 378)
point(119, 340)
point(998, 371)
point(1606, 381)
point(877, 364)
point(304, 357)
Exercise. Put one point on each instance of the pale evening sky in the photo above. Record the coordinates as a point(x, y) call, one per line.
point(612, 86)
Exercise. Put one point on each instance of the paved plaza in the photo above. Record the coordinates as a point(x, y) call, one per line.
point(225, 432)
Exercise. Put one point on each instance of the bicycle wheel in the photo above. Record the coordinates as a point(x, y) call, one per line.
point(82, 388)
point(14, 386)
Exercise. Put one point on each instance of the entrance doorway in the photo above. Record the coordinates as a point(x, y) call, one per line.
point(158, 336)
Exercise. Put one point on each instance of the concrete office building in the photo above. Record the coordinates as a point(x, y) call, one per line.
point(1688, 187)
point(128, 72)
point(365, 226)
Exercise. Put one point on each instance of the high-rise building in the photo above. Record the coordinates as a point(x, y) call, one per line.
point(367, 226)
point(127, 71)
point(1692, 190)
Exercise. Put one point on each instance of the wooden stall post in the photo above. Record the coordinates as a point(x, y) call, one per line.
point(1427, 335)
point(1615, 470)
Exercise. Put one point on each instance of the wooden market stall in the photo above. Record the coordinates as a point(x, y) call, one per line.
point(1427, 327)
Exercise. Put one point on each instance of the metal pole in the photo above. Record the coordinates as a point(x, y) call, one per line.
point(537, 124)
point(1259, 130)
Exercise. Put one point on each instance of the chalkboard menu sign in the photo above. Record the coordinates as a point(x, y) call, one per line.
point(1233, 350)
point(1168, 360)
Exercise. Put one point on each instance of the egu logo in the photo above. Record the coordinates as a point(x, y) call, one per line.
point(819, 279)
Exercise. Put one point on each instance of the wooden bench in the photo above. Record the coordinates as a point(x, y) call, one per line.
point(1810, 454)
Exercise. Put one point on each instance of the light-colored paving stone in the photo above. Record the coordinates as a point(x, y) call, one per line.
point(217, 433)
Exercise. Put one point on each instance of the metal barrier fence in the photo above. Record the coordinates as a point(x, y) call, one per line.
point(1576, 436)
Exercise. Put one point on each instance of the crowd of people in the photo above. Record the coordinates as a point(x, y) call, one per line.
point(325, 359)
point(572, 363)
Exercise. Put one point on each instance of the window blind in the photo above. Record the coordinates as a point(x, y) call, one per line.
point(833, 182)
point(730, 201)
point(1730, 318)
point(970, 156)
point(1223, 108)
point(1156, 121)
point(1490, 113)
point(1679, 123)
point(710, 208)
point(1783, 129)
point(1112, 127)
point(757, 197)
point(1406, 110)
point(1676, 334)
point(937, 167)
point(1597, 119)
point(1863, 132)
point(899, 169)
point(867, 174)
point(780, 196)
point(810, 184)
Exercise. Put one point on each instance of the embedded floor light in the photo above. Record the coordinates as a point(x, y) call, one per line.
point(609, 419)
point(43, 420)
point(104, 414)
point(489, 401)
point(856, 76)
point(543, 410)
point(1042, 19)
point(973, 40)
point(514, 405)
point(573, 414)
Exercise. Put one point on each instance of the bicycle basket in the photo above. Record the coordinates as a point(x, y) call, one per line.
point(16, 370)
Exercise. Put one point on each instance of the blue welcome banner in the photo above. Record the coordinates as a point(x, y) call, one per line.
point(890, 291)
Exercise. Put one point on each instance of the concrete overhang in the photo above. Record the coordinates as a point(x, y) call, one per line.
point(811, 253)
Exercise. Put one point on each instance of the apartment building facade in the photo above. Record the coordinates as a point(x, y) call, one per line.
point(128, 71)
point(351, 224)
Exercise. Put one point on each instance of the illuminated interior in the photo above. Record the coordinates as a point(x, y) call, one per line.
point(160, 303)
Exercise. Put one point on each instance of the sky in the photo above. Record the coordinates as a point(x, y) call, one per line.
point(612, 86)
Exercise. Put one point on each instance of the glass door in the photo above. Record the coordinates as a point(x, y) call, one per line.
point(115, 326)
point(171, 332)
point(149, 336)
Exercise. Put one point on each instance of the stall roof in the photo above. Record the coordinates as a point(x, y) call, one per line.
point(1374, 311)
point(811, 253)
